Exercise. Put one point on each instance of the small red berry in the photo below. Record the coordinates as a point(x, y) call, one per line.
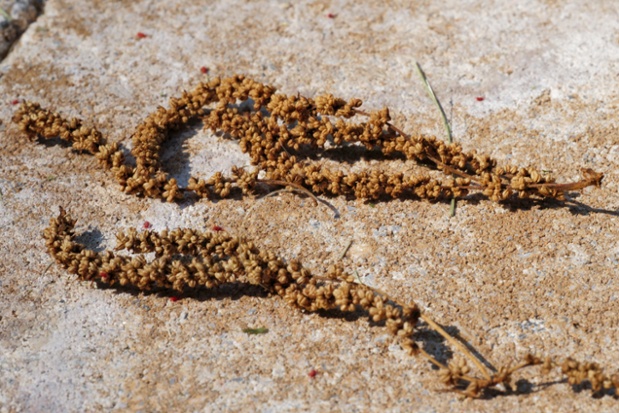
point(141, 35)
point(480, 98)
point(312, 373)
point(204, 69)
point(217, 228)
point(174, 298)
point(14, 101)
point(147, 225)
point(104, 275)
point(332, 15)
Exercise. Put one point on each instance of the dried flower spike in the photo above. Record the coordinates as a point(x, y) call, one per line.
point(277, 131)
point(273, 131)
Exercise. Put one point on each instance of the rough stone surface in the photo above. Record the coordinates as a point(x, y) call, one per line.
point(15, 17)
point(510, 280)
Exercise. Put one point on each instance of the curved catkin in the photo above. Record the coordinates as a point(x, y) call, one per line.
point(277, 131)
point(186, 260)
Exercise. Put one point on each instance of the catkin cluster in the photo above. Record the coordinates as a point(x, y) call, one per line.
point(278, 131)
point(186, 260)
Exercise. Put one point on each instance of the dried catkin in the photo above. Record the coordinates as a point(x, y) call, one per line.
point(186, 259)
point(277, 131)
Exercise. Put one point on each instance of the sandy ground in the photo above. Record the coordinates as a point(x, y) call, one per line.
point(510, 279)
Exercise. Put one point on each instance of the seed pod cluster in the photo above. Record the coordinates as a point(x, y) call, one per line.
point(186, 260)
point(278, 131)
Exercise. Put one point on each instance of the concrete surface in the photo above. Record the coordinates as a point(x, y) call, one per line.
point(510, 280)
point(15, 17)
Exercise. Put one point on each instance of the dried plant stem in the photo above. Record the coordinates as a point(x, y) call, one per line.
point(345, 251)
point(218, 259)
point(297, 187)
point(274, 131)
point(432, 359)
point(436, 327)
point(301, 189)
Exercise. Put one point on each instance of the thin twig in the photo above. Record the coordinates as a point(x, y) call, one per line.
point(457, 344)
point(46, 269)
point(343, 254)
point(279, 191)
point(302, 189)
point(431, 359)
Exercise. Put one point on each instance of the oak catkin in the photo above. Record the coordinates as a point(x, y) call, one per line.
point(276, 130)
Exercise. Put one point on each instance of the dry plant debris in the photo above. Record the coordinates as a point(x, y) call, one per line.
point(274, 131)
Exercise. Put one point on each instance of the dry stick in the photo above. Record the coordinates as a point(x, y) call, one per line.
point(279, 191)
point(591, 178)
point(431, 359)
point(294, 188)
point(452, 210)
point(270, 194)
point(343, 254)
point(304, 190)
point(47, 268)
point(457, 344)
point(299, 188)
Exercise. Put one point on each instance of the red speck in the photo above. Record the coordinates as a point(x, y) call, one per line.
point(217, 228)
point(174, 298)
point(312, 373)
point(104, 275)
point(141, 35)
point(204, 69)
point(146, 225)
point(479, 98)
point(14, 101)
point(332, 15)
